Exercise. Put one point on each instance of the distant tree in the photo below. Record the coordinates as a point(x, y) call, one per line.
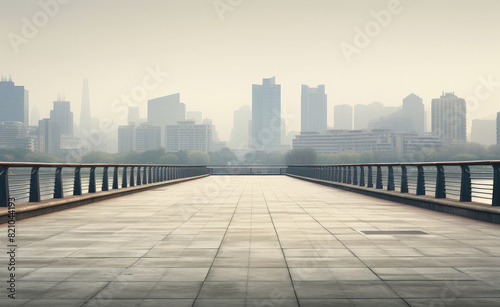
point(169, 159)
point(97, 157)
point(40, 157)
point(198, 158)
point(301, 156)
point(183, 157)
point(128, 157)
point(223, 157)
point(152, 156)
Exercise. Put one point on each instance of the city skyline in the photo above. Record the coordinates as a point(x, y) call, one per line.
point(438, 55)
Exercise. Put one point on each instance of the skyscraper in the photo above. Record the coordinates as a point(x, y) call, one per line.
point(133, 115)
point(147, 137)
point(187, 135)
point(63, 115)
point(166, 110)
point(85, 118)
point(266, 115)
point(126, 138)
point(413, 109)
point(313, 109)
point(14, 102)
point(49, 137)
point(240, 131)
point(483, 131)
point(449, 118)
point(14, 134)
point(342, 116)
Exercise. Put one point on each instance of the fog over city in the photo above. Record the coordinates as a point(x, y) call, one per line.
point(211, 52)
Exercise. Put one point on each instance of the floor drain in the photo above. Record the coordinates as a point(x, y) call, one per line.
point(394, 232)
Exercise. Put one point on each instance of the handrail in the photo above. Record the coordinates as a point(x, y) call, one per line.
point(348, 174)
point(139, 174)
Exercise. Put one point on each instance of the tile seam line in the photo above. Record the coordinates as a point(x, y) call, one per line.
point(385, 283)
point(279, 241)
point(218, 249)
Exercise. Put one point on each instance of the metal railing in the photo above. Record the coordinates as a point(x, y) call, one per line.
point(247, 169)
point(465, 181)
point(33, 182)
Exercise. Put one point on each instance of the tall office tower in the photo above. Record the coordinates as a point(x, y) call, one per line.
point(34, 116)
point(49, 137)
point(147, 137)
point(342, 117)
point(196, 116)
point(239, 133)
point(413, 109)
point(483, 131)
point(133, 115)
point(63, 115)
point(449, 118)
point(498, 128)
point(126, 138)
point(266, 115)
point(166, 110)
point(26, 108)
point(314, 110)
point(13, 102)
point(187, 135)
point(85, 117)
point(14, 134)
point(365, 114)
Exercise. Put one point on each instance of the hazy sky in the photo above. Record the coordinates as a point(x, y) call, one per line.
point(425, 48)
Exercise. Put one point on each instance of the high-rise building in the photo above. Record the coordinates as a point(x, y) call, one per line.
point(449, 115)
point(126, 138)
point(14, 134)
point(483, 131)
point(14, 102)
point(266, 115)
point(35, 116)
point(342, 117)
point(49, 137)
point(240, 131)
point(366, 114)
point(133, 115)
point(166, 110)
point(413, 110)
point(147, 137)
point(85, 117)
point(187, 135)
point(314, 109)
point(63, 115)
point(498, 128)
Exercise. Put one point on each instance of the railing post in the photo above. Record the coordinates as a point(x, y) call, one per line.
point(138, 175)
point(361, 176)
point(58, 183)
point(495, 201)
point(124, 177)
point(379, 184)
point(344, 175)
point(355, 175)
point(370, 177)
point(349, 175)
point(92, 187)
point(150, 177)
point(420, 180)
point(145, 175)
point(440, 182)
point(77, 183)
point(4, 186)
point(465, 185)
point(115, 178)
point(105, 180)
point(132, 179)
point(390, 178)
point(404, 179)
point(35, 185)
